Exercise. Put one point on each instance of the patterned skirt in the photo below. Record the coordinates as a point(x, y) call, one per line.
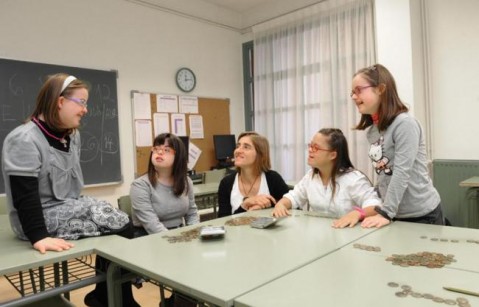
point(84, 217)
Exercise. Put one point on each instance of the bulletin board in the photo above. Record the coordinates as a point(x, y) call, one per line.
point(216, 120)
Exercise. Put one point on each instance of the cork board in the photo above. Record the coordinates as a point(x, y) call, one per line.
point(216, 120)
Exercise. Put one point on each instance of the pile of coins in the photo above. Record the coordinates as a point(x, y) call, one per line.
point(427, 259)
point(407, 291)
point(473, 241)
point(185, 236)
point(239, 221)
point(367, 247)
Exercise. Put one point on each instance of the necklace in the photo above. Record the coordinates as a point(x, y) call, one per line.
point(61, 140)
point(251, 188)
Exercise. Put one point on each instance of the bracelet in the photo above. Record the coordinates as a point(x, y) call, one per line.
point(362, 214)
point(382, 213)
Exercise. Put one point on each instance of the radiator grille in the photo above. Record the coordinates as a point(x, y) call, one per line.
point(460, 204)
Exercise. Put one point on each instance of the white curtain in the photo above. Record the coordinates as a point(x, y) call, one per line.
point(303, 66)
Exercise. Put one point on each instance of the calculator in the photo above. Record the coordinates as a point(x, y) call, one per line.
point(264, 222)
point(212, 232)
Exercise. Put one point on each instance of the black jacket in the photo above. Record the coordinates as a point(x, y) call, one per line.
point(276, 185)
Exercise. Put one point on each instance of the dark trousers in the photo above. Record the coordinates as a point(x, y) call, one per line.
point(434, 217)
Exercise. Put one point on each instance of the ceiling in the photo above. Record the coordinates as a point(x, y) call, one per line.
point(236, 15)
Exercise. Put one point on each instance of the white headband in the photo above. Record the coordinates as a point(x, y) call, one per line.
point(67, 82)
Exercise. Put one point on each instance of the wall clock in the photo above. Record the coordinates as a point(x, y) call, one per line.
point(185, 79)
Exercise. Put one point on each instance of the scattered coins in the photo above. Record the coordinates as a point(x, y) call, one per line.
point(407, 291)
point(367, 247)
point(239, 221)
point(449, 240)
point(427, 259)
point(185, 236)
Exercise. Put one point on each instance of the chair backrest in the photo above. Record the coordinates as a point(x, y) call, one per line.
point(124, 204)
point(214, 175)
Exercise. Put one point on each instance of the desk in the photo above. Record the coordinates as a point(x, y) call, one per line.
point(471, 206)
point(247, 258)
point(19, 255)
point(472, 182)
point(206, 196)
point(353, 277)
point(405, 238)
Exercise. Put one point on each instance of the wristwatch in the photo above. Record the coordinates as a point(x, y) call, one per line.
point(382, 212)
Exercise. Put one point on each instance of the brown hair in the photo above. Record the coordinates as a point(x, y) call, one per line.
point(342, 164)
point(47, 99)
point(390, 105)
point(261, 145)
point(180, 164)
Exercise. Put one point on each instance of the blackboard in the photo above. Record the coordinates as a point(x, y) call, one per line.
point(20, 83)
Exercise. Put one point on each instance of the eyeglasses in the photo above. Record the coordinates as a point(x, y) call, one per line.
point(358, 89)
point(79, 101)
point(316, 148)
point(162, 149)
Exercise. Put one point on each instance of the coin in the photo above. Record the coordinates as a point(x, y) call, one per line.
point(434, 239)
point(450, 302)
point(462, 300)
point(406, 287)
point(423, 237)
point(393, 284)
point(416, 294)
point(400, 294)
point(454, 241)
point(443, 240)
point(428, 296)
point(438, 299)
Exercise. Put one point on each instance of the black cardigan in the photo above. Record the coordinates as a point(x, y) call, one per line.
point(276, 185)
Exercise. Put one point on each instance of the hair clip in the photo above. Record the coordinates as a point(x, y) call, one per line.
point(372, 67)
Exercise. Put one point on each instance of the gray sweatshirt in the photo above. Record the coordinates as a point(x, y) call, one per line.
point(156, 208)
point(399, 158)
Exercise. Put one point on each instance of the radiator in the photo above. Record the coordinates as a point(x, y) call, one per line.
point(460, 204)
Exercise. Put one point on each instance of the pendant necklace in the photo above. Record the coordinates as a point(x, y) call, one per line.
point(61, 140)
point(251, 188)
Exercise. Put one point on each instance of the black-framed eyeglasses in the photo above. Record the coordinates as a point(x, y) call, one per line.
point(358, 89)
point(79, 101)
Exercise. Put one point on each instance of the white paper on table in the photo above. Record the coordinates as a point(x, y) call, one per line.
point(196, 127)
point(188, 104)
point(194, 153)
point(143, 133)
point(141, 106)
point(178, 124)
point(167, 103)
point(161, 123)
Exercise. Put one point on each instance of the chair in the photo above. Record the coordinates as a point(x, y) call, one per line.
point(214, 175)
point(124, 204)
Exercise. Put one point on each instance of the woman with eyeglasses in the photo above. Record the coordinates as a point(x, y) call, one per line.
point(397, 151)
point(43, 180)
point(332, 187)
point(253, 186)
point(163, 198)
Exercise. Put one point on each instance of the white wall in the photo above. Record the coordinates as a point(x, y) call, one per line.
point(454, 56)
point(442, 68)
point(146, 46)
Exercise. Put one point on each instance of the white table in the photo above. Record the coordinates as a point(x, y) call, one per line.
point(405, 238)
point(247, 258)
point(354, 277)
point(17, 255)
